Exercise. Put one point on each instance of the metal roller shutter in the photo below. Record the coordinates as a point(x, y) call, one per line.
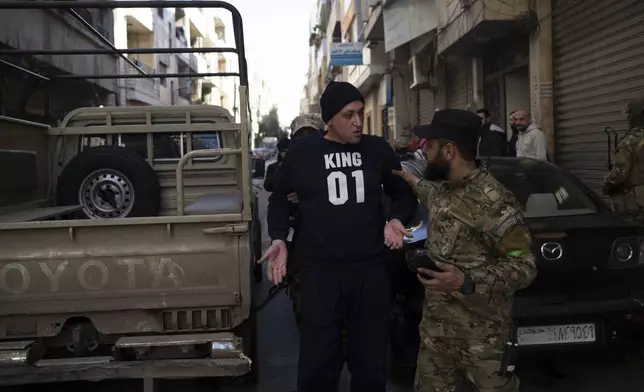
point(425, 106)
point(598, 53)
point(458, 85)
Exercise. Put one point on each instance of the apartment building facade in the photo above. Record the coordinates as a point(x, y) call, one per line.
point(175, 28)
point(27, 90)
point(573, 63)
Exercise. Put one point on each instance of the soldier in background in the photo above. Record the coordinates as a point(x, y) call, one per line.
point(301, 126)
point(625, 182)
point(467, 313)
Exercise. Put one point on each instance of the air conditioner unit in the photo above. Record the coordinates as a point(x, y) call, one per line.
point(419, 68)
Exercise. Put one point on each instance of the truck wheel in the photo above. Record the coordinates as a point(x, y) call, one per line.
point(109, 182)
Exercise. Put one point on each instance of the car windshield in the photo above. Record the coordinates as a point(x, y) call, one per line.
point(547, 194)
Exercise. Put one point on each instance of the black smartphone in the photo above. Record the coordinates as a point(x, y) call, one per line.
point(418, 258)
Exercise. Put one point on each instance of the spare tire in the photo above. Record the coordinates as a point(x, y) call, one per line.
point(109, 182)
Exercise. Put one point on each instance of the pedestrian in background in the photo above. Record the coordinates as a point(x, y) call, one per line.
point(339, 178)
point(512, 143)
point(492, 141)
point(479, 241)
point(531, 140)
point(272, 170)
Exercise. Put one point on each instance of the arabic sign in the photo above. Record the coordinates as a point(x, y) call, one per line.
point(346, 53)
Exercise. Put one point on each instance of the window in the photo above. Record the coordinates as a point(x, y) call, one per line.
point(136, 142)
point(546, 194)
point(206, 141)
point(163, 70)
point(366, 125)
point(94, 141)
point(170, 40)
point(168, 147)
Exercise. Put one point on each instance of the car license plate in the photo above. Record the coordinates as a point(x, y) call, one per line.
point(556, 334)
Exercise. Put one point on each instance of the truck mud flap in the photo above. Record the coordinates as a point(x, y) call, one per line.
point(224, 358)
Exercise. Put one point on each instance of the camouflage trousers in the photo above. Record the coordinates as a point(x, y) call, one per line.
point(454, 365)
point(294, 290)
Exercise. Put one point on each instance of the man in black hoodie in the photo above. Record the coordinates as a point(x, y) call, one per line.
point(272, 170)
point(492, 141)
point(343, 237)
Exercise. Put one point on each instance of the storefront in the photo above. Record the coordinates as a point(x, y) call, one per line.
point(598, 56)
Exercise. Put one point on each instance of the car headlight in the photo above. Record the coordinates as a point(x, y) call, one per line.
point(627, 252)
point(624, 252)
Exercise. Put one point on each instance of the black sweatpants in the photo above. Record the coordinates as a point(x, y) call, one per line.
point(330, 295)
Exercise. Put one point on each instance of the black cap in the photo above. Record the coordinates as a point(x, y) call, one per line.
point(336, 96)
point(456, 125)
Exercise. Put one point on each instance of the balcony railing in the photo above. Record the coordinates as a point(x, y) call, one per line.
point(142, 89)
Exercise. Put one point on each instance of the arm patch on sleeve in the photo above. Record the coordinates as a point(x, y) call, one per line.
point(502, 228)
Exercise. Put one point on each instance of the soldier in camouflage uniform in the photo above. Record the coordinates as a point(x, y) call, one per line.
point(625, 182)
point(478, 239)
point(301, 126)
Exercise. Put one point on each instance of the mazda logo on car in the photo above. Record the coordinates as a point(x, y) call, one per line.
point(551, 251)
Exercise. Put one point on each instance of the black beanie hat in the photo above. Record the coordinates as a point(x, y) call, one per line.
point(336, 96)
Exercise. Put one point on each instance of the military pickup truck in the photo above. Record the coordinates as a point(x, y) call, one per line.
point(127, 242)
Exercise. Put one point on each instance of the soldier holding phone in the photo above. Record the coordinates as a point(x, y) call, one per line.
point(478, 255)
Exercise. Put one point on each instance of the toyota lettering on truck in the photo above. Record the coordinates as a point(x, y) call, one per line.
point(129, 235)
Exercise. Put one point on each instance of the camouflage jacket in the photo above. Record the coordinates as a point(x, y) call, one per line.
point(477, 225)
point(627, 170)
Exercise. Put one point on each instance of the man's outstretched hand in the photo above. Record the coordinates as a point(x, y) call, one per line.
point(276, 255)
point(395, 234)
point(407, 176)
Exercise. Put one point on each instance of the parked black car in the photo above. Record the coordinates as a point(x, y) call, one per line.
point(590, 286)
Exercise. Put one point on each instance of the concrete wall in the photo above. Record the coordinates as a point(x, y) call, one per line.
point(44, 29)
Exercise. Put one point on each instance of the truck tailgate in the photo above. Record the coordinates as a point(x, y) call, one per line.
point(83, 267)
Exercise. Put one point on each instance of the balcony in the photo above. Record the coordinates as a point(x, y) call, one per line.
point(465, 29)
point(323, 13)
point(139, 20)
point(373, 27)
point(197, 22)
point(142, 90)
point(366, 77)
